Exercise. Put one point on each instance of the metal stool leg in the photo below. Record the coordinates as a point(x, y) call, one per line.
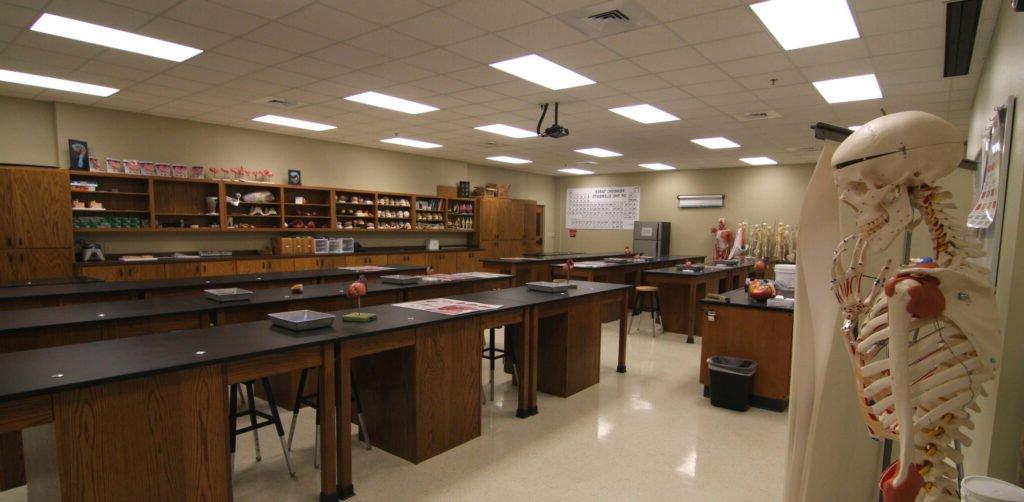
point(252, 420)
point(364, 432)
point(510, 349)
point(297, 405)
point(634, 312)
point(277, 423)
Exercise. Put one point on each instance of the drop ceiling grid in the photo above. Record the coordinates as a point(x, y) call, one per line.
point(706, 62)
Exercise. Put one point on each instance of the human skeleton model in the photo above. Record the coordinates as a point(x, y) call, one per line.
point(923, 342)
point(723, 240)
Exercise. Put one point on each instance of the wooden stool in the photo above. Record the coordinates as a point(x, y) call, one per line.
point(313, 401)
point(493, 353)
point(649, 293)
point(254, 426)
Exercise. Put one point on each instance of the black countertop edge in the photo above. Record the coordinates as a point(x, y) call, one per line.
point(706, 271)
point(49, 282)
point(50, 358)
point(216, 280)
point(654, 261)
point(88, 313)
point(256, 256)
point(551, 257)
point(740, 298)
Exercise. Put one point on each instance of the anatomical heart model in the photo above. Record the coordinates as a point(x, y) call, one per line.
point(923, 340)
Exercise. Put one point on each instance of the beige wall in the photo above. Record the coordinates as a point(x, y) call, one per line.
point(754, 194)
point(47, 126)
point(998, 432)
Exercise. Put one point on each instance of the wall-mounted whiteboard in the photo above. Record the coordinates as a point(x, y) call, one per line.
point(602, 208)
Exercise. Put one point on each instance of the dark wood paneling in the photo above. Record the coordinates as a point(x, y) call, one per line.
point(386, 382)
point(176, 426)
point(447, 386)
point(765, 336)
point(569, 347)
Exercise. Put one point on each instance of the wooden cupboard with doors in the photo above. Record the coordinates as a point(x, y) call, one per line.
point(469, 261)
point(356, 260)
point(213, 268)
point(509, 227)
point(443, 263)
point(533, 216)
point(407, 259)
point(35, 224)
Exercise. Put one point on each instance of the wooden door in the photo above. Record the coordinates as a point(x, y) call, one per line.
point(104, 272)
point(306, 263)
point(534, 223)
point(52, 263)
point(213, 268)
point(332, 262)
point(251, 266)
point(489, 216)
point(8, 266)
point(42, 208)
point(281, 265)
point(468, 261)
point(182, 270)
point(7, 224)
point(443, 263)
point(144, 272)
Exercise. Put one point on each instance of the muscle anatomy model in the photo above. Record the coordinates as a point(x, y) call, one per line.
point(723, 240)
point(923, 341)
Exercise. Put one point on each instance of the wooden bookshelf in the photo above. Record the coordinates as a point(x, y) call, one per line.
point(142, 204)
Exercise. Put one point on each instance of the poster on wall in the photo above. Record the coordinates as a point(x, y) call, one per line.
point(602, 208)
point(983, 213)
point(985, 221)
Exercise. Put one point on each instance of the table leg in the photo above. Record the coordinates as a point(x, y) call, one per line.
point(343, 393)
point(328, 441)
point(691, 308)
point(621, 368)
point(534, 332)
point(525, 364)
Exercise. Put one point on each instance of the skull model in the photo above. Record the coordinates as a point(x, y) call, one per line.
point(922, 350)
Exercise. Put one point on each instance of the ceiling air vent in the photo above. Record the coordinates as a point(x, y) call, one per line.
point(278, 102)
point(759, 115)
point(608, 18)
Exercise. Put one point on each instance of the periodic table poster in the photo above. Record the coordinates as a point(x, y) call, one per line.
point(602, 208)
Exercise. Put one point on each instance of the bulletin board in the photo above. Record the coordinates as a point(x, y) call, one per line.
point(602, 208)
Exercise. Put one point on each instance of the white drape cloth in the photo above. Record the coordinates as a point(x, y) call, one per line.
point(830, 456)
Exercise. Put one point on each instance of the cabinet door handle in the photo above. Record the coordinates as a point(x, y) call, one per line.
point(22, 258)
point(9, 243)
point(21, 242)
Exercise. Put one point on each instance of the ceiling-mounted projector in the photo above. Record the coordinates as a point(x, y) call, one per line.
point(556, 130)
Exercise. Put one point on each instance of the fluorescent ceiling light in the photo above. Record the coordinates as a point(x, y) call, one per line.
point(645, 114)
point(716, 143)
point(598, 152)
point(507, 130)
point(844, 90)
point(509, 160)
point(296, 123)
point(415, 143)
point(759, 161)
point(115, 39)
point(657, 166)
point(542, 72)
point(805, 23)
point(853, 128)
point(573, 170)
point(391, 103)
point(17, 77)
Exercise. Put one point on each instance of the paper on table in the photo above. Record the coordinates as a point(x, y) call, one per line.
point(367, 268)
point(447, 306)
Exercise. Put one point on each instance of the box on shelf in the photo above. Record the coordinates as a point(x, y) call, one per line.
point(447, 192)
point(284, 245)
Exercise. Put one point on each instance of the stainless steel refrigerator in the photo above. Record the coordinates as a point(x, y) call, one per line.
point(651, 237)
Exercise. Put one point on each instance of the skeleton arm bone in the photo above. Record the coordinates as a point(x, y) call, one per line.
point(899, 348)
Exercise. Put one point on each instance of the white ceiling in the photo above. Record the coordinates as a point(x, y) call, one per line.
point(702, 60)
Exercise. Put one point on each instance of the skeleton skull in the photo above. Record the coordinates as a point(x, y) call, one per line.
point(877, 164)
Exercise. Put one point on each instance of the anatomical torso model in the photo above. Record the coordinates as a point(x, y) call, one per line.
point(924, 338)
point(723, 240)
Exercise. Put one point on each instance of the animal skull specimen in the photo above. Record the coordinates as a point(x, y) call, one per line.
point(923, 342)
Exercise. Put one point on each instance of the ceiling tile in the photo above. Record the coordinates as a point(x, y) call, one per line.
point(183, 33)
point(488, 49)
point(438, 28)
point(60, 45)
point(902, 60)
point(829, 53)
point(910, 75)
point(328, 22)
point(579, 55)
point(713, 88)
point(667, 10)
point(270, 9)
point(95, 11)
point(346, 55)
point(254, 52)
point(902, 18)
point(495, 15)
point(311, 67)
point(740, 47)
point(543, 35)
point(288, 38)
point(391, 11)
point(717, 25)
point(397, 71)
point(696, 75)
point(902, 41)
point(223, 63)
point(19, 17)
point(604, 72)
point(178, 83)
point(481, 76)
point(282, 77)
point(772, 79)
point(640, 83)
point(673, 59)
point(642, 41)
point(753, 66)
point(151, 6)
point(440, 61)
point(390, 43)
point(215, 17)
point(838, 70)
point(442, 84)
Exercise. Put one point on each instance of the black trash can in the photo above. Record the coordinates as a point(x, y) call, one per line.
point(732, 380)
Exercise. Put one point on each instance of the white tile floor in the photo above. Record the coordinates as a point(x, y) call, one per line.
point(645, 435)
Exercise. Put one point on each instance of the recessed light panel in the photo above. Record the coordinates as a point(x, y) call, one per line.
point(296, 123)
point(115, 39)
point(716, 143)
point(759, 161)
point(573, 170)
point(509, 160)
point(415, 143)
point(657, 166)
point(542, 72)
point(645, 114)
point(17, 77)
point(391, 103)
point(844, 90)
point(507, 130)
point(598, 152)
point(805, 23)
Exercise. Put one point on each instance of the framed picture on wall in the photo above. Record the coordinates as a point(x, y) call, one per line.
point(294, 177)
point(79, 154)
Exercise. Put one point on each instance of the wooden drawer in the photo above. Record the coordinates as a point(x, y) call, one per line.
point(218, 268)
point(144, 272)
point(251, 266)
point(104, 272)
point(307, 263)
point(407, 259)
point(281, 265)
point(330, 262)
point(182, 270)
point(373, 259)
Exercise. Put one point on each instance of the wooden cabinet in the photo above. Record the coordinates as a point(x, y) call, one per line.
point(251, 266)
point(407, 259)
point(307, 263)
point(29, 264)
point(469, 261)
point(142, 272)
point(443, 263)
point(281, 265)
point(41, 208)
point(8, 228)
point(104, 272)
point(329, 262)
point(213, 268)
point(182, 270)
point(361, 260)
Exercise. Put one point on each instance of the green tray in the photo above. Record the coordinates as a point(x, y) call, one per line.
point(359, 317)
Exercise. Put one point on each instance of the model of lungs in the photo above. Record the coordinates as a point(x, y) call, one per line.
point(923, 339)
